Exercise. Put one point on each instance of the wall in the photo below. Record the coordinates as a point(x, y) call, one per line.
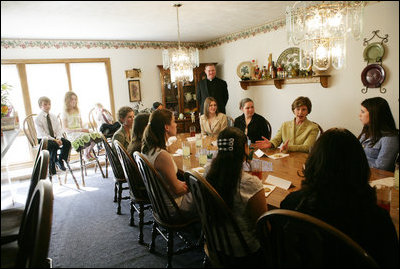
point(337, 105)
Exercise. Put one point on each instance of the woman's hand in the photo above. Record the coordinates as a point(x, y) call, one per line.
point(285, 146)
point(263, 144)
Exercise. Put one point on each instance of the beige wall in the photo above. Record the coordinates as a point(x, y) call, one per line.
point(337, 105)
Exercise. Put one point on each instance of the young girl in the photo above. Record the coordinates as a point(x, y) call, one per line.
point(162, 126)
point(212, 122)
point(379, 136)
point(243, 193)
point(72, 122)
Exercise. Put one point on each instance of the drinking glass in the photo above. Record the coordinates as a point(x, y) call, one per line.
point(256, 168)
point(199, 140)
point(192, 130)
point(384, 196)
point(186, 149)
point(202, 157)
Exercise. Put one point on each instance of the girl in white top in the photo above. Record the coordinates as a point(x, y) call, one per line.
point(212, 122)
point(161, 126)
point(243, 193)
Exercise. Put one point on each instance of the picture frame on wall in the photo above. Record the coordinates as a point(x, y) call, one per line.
point(134, 90)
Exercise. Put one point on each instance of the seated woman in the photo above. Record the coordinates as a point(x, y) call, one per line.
point(212, 122)
point(336, 190)
point(243, 193)
point(379, 136)
point(139, 123)
point(296, 135)
point(72, 123)
point(162, 126)
point(252, 124)
point(124, 133)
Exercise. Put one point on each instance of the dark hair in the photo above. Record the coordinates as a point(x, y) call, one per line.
point(139, 124)
point(336, 178)
point(156, 105)
point(244, 101)
point(123, 112)
point(381, 121)
point(154, 133)
point(207, 103)
point(226, 169)
point(302, 101)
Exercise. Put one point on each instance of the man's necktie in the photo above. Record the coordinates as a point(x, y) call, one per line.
point(50, 126)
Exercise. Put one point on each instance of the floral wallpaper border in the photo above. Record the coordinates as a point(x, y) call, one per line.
point(112, 44)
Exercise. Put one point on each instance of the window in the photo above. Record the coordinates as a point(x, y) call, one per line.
point(88, 78)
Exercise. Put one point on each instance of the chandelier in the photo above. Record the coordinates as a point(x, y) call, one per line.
point(180, 61)
point(320, 29)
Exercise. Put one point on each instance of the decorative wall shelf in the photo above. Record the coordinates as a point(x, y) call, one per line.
point(323, 79)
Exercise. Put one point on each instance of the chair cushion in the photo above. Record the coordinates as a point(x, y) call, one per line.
point(11, 221)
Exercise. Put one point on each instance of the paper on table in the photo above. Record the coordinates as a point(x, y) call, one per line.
point(387, 181)
point(214, 143)
point(279, 182)
point(178, 152)
point(278, 155)
point(191, 138)
point(259, 153)
point(268, 189)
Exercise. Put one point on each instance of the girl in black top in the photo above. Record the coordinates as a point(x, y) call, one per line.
point(252, 124)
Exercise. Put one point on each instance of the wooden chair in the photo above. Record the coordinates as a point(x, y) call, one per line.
point(83, 163)
point(217, 221)
point(31, 248)
point(270, 129)
point(321, 131)
point(138, 193)
point(31, 134)
point(119, 177)
point(11, 219)
point(161, 199)
point(294, 239)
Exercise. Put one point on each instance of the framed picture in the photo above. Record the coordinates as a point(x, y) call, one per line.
point(134, 90)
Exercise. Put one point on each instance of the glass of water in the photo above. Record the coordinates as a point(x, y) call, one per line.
point(186, 149)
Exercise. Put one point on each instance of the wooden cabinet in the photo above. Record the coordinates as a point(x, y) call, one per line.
point(181, 97)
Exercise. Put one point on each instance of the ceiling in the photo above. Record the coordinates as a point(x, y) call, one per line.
point(200, 21)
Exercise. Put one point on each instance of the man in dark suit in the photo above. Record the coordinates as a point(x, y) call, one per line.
point(214, 87)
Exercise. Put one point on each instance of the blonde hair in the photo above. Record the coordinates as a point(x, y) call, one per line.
point(67, 102)
point(43, 99)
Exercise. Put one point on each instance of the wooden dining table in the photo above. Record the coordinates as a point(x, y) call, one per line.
point(288, 168)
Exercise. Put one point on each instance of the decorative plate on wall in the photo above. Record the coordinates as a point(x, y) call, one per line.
point(244, 70)
point(374, 52)
point(289, 56)
point(373, 76)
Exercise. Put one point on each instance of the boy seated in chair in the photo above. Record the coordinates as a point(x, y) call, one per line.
point(48, 126)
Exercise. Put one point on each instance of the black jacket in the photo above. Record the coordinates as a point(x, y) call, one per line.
point(257, 127)
point(221, 95)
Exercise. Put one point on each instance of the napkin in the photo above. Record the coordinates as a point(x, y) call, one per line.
point(279, 182)
point(191, 138)
point(259, 153)
point(268, 187)
point(214, 143)
point(178, 152)
point(171, 140)
point(387, 181)
point(278, 155)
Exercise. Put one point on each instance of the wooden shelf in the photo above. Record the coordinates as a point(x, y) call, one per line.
point(278, 82)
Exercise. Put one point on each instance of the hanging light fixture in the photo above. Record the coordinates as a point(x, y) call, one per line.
point(180, 61)
point(320, 29)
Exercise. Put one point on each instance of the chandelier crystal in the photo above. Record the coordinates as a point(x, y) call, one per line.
point(180, 61)
point(320, 29)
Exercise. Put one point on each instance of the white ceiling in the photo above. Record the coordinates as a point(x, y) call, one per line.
point(134, 20)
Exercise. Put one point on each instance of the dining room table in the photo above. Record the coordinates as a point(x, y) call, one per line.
point(289, 168)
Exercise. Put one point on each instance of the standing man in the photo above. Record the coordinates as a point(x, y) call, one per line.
point(212, 87)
